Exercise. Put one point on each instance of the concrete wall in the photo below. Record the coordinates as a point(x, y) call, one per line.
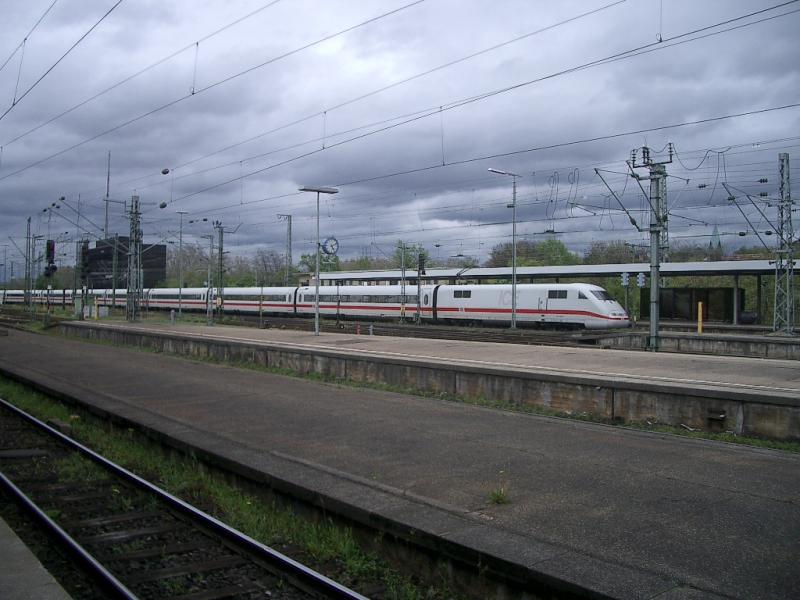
point(610, 400)
point(718, 345)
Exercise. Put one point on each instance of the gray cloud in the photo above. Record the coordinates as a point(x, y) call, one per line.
point(459, 207)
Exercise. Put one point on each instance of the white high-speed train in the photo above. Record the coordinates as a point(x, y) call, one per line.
point(541, 304)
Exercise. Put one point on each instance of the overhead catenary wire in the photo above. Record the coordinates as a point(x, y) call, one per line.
point(28, 35)
point(55, 64)
point(293, 194)
point(307, 117)
point(213, 85)
point(141, 72)
point(612, 58)
point(437, 110)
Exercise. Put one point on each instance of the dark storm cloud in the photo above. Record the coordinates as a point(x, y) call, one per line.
point(461, 208)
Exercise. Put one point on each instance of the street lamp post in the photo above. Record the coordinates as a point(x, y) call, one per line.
point(210, 290)
point(180, 264)
point(513, 207)
point(319, 190)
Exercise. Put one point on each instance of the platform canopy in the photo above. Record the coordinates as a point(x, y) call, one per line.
point(724, 267)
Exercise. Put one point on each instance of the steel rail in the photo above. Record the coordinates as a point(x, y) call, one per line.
point(103, 576)
point(304, 575)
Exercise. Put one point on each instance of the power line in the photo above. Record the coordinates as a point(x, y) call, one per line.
point(211, 86)
point(55, 64)
point(292, 194)
point(25, 39)
point(434, 110)
point(362, 97)
point(419, 115)
point(141, 72)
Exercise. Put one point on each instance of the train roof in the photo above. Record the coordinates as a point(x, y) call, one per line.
point(723, 267)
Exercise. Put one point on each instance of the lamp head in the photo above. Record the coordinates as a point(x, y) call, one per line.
point(319, 189)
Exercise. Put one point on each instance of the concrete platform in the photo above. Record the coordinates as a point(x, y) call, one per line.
point(776, 377)
point(724, 343)
point(22, 576)
point(605, 511)
point(745, 396)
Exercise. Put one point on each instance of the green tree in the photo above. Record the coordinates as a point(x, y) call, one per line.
point(270, 268)
point(689, 253)
point(544, 253)
point(308, 263)
point(408, 255)
point(195, 265)
point(611, 252)
point(365, 263)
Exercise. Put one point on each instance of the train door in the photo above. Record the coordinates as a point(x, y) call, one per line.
point(556, 303)
point(541, 309)
point(426, 301)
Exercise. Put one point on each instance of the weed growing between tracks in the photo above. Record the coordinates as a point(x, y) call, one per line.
point(325, 546)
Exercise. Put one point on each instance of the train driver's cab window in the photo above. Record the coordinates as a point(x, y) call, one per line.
point(462, 293)
point(557, 294)
point(581, 295)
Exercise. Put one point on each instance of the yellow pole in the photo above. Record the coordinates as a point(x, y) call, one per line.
point(699, 317)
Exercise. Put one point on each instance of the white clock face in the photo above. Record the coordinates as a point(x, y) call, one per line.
point(330, 246)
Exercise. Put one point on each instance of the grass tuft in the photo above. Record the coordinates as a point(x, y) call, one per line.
point(329, 547)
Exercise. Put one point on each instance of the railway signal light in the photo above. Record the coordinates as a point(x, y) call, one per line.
point(50, 252)
point(84, 259)
point(626, 279)
point(640, 280)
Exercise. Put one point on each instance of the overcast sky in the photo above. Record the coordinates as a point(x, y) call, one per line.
point(403, 106)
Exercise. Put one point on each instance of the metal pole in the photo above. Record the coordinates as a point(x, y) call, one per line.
point(288, 219)
point(180, 264)
point(28, 265)
point(220, 272)
point(210, 294)
point(402, 281)
point(420, 263)
point(657, 175)
point(261, 305)
point(316, 297)
point(513, 207)
point(108, 189)
point(514, 253)
point(114, 267)
point(783, 321)
point(318, 190)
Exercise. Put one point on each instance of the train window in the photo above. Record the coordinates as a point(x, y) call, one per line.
point(556, 294)
point(602, 294)
point(467, 293)
point(458, 293)
point(581, 295)
point(425, 299)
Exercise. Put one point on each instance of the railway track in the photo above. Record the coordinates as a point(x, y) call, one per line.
point(134, 539)
point(17, 320)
